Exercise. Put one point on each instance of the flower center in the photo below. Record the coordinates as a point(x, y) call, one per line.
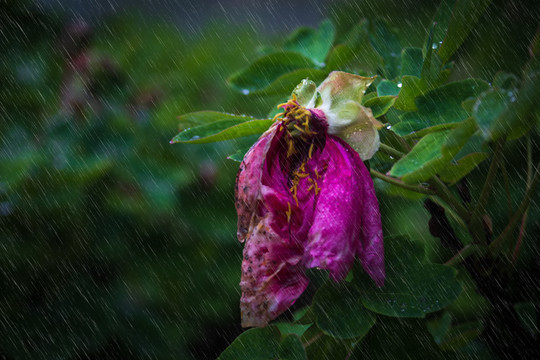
point(306, 131)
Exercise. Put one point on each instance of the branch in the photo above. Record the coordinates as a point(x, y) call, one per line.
point(416, 188)
point(488, 184)
point(464, 253)
point(391, 151)
point(495, 246)
point(524, 218)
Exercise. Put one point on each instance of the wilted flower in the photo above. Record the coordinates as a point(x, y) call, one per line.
point(305, 199)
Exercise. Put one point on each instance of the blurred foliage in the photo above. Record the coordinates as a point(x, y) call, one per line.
point(115, 244)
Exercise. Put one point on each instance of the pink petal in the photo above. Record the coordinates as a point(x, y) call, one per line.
point(347, 219)
point(248, 180)
point(331, 240)
point(272, 276)
point(272, 272)
point(370, 248)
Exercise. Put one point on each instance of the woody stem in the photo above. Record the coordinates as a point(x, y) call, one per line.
point(416, 188)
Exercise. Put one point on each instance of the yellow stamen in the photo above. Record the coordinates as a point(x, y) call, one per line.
point(278, 116)
point(317, 188)
point(289, 213)
point(310, 152)
point(291, 150)
point(298, 128)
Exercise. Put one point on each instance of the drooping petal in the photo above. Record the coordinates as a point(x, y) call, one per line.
point(370, 248)
point(332, 238)
point(248, 181)
point(347, 219)
point(272, 275)
point(272, 270)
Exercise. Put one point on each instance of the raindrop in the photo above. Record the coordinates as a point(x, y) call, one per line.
point(245, 91)
point(399, 85)
point(196, 137)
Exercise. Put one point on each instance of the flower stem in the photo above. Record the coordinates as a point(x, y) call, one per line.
point(313, 339)
point(450, 211)
point(416, 188)
point(524, 218)
point(506, 188)
point(495, 246)
point(464, 253)
point(488, 184)
point(444, 193)
point(391, 151)
point(440, 188)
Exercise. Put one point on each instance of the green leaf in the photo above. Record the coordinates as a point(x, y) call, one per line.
point(221, 130)
point(458, 137)
point(239, 154)
point(254, 344)
point(456, 171)
point(412, 288)
point(460, 335)
point(340, 312)
point(464, 16)
point(380, 105)
point(487, 109)
point(434, 151)
point(431, 71)
point(405, 130)
point(424, 160)
point(440, 106)
point(285, 84)
point(267, 69)
point(387, 45)
point(446, 100)
point(313, 44)
point(439, 26)
point(325, 347)
point(411, 61)
point(340, 57)
point(291, 348)
point(206, 117)
point(397, 339)
point(387, 87)
point(528, 316)
point(410, 89)
point(519, 116)
point(503, 80)
point(296, 329)
point(438, 328)
point(422, 290)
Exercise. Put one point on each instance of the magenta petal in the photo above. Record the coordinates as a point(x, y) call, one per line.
point(248, 181)
point(272, 276)
point(335, 230)
point(272, 272)
point(370, 248)
point(347, 219)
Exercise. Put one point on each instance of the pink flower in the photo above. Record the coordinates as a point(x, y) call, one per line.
point(305, 199)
